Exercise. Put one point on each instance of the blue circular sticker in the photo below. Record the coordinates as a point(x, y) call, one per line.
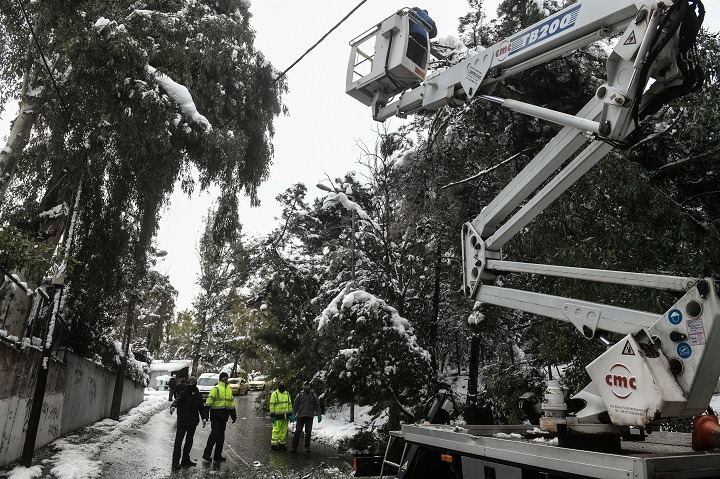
point(675, 316)
point(684, 350)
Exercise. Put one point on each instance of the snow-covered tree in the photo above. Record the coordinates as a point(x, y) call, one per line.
point(125, 100)
point(223, 268)
point(372, 354)
point(156, 307)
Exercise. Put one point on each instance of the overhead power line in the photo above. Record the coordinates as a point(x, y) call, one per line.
point(42, 55)
point(284, 72)
point(318, 42)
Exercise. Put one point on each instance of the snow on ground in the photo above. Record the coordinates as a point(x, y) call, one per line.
point(76, 456)
point(26, 473)
point(336, 426)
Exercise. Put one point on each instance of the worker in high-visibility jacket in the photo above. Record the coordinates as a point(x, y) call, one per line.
point(280, 411)
point(221, 403)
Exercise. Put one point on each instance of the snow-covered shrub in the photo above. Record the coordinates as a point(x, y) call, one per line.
point(372, 352)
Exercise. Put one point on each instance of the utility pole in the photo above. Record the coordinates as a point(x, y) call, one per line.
point(53, 295)
point(352, 280)
point(42, 374)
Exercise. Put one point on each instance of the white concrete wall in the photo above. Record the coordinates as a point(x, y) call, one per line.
point(76, 395)
point(16, 412)
point(89, 394)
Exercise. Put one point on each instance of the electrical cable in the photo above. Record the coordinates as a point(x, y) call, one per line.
point(252, 100)
point(42, 55)
point(284, 72)
point(319, 41)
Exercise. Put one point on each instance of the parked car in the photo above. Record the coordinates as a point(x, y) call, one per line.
point(205, 383)
point(257, 383)
point(238, 386)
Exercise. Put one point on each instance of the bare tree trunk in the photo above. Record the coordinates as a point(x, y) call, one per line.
point(23, 124)
point(17, 141)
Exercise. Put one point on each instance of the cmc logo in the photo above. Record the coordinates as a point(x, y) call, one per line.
point(621, 381)
point(503, 50)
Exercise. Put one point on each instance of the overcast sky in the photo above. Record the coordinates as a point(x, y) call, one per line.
point(320, 134)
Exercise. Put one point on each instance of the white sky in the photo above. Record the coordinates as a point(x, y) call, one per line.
point(320, 134)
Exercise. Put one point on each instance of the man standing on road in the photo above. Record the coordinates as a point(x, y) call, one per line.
point(171, 387)
point(280, 410)
point(221, 403)
point(305, 407)
point(190, 409)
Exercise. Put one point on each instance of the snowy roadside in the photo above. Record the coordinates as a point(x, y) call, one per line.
point(76, 454)
point(336, 426)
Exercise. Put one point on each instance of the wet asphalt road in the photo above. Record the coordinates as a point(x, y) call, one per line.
point(147, 452)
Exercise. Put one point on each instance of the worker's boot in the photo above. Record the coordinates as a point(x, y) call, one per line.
point(283, 447)
point(274, 447)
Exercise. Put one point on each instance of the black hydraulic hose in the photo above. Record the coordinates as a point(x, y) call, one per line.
point(655, 50)
point(688, 44)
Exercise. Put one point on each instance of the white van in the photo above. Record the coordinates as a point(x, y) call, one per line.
point(205, 383)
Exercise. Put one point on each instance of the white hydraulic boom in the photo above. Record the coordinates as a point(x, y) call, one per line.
point(668, 364)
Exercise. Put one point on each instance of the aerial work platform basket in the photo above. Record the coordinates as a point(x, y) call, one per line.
point(387, 59)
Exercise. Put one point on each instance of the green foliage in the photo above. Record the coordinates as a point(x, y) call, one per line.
point(505, 384)
point(17, 251)
point(178, 335)
point(155, 308)
point(118, 130)
point(372, 352)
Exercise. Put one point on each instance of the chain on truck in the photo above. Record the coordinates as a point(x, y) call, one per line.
point(666, 366)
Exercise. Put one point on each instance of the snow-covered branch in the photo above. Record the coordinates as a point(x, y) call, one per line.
point(181, 95)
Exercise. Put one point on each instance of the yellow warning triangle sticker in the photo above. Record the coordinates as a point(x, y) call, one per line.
point(631, 40)
point(628, 349)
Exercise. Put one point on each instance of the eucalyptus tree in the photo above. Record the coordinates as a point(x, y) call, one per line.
point(223, 268)
point(120, 102)
point(156, 307)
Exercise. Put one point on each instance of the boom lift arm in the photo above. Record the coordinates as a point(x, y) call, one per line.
point(667, 365)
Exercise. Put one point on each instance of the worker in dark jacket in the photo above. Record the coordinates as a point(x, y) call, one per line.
point(180, 386)
point(221, 403)
point(190, 409)
point(171, 387)
point(422, 27)
point(305, 407)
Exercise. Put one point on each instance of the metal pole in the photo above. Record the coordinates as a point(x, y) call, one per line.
point(39, 393)
point(352, 246)
point(352, 280)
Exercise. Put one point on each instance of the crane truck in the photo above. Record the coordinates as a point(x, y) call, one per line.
point(666, 365)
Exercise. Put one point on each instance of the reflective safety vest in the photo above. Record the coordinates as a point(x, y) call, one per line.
point(221, 397)
point(280, 402)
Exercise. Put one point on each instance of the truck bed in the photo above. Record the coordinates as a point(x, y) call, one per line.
point(660, 456)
